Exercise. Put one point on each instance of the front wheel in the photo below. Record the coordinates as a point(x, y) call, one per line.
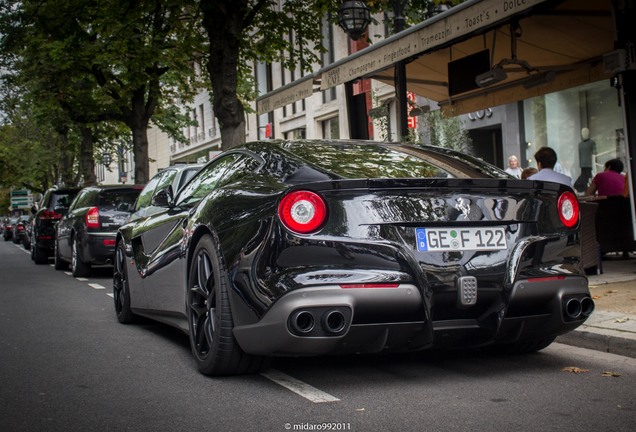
point(121, 289)
point(215, 349)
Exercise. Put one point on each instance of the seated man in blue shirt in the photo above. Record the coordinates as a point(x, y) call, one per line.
point(546, 159)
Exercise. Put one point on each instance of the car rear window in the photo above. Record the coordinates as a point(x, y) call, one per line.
point(387, 161)
point(59, 199)
point(121, 200)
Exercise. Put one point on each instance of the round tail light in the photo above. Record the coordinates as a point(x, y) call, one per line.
point(568, 207)
point(302, 211)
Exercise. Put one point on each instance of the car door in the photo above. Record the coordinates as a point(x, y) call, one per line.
point(160, 247)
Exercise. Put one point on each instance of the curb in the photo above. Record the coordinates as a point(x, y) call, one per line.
point(605, 340)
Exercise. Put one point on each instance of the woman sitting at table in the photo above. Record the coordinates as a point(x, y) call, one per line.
point(610, 181)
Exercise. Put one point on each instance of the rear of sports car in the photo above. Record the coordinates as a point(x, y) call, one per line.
point(414, 263)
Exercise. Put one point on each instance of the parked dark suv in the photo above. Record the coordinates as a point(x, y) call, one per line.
point(86, 234)
point(50, 209)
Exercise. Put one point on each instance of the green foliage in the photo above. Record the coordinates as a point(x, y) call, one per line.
point(114, 60)
point(446, 131)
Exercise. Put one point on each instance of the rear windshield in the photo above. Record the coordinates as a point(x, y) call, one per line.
point(121, 200)
point(60, 199)
point(388, 161)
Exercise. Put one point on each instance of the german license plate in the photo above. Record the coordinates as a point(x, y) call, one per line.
point(460, 239)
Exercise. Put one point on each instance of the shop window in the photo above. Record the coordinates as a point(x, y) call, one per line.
point(567, 121)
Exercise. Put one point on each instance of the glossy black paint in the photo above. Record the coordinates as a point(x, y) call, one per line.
point(368, 238)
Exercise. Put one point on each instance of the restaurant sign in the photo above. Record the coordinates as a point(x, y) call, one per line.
point(463, 22)
point(285, 95)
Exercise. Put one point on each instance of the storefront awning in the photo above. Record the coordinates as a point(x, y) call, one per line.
point(551, 49)
point(541, 45)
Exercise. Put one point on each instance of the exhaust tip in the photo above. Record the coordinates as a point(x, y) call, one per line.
point(573, 308)
point(587, 306)
point(302, 322)
point(333, 321)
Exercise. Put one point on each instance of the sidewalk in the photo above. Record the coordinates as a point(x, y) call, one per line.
point(612, 326)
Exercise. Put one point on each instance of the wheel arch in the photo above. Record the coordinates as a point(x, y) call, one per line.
point(199, 232)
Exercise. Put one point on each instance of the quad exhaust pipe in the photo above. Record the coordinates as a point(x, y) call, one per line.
point(577, 308)
point(319, 321)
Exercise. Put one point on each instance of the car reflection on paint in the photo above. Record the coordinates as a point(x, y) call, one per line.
point(296, 248)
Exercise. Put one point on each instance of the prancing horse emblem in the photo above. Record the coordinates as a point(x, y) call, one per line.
point(463, 206)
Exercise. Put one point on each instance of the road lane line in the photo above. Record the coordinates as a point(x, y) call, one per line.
point(96, 286)
point(82, 279)
point(110, 295)
point(299, 387)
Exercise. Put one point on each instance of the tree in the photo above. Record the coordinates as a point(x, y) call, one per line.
point(244, 32)
point(112, 60)
point(241, 32)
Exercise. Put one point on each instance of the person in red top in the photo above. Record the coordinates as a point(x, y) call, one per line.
point(610, 181)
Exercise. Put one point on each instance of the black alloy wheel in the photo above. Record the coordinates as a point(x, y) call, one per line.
point(121, 289)
point(215, 350)
point(78, 267)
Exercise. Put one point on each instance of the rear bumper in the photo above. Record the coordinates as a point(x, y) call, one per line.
point(99, 248)
point(323, 320)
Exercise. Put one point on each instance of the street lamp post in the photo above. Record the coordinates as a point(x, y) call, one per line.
point(400, 73)
point(354, 17)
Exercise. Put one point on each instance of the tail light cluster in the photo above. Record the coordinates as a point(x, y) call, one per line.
point(48, 214)
point(92, 218)
point(302, 212)
point(568, 207)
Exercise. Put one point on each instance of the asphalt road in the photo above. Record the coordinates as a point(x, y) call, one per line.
point(66, 364)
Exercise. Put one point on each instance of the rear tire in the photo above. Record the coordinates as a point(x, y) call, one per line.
point(40, 255)
point(78, 267)
point(58, 262)
point(214, 347)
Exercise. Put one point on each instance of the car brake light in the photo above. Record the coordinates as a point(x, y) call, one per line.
point(92, 218)
point(568, 207)
point(48, 214)
point(302, 211)
point(370, 285)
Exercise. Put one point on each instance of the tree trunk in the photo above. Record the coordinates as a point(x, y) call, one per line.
point(87, 159)
point(66, 160)
point(140, 153)
point(138, 122)
point(223, 22)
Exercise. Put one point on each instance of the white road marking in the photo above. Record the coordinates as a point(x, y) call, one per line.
point(299, 387)
point(67, 273)
point(20, 247)
point(82, 279)
point(110, 295)
point(96, 286)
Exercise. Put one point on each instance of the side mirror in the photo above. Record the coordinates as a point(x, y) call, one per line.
point(34, 209)
point(163, 197)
